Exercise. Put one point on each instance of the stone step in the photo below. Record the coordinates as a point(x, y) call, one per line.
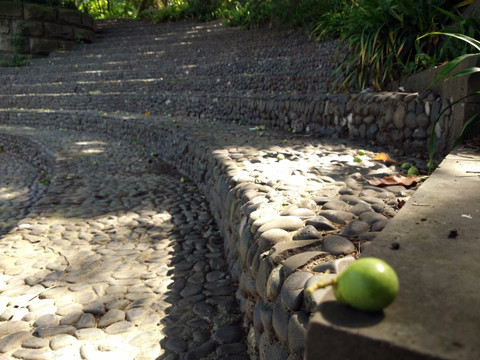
point(128, 83)
point(101, 183)
point(373, 117)
point(272, 110)
point(260, 42)
point(286, 75)
point(175, 33)
point(248, 45)
point(152, 58)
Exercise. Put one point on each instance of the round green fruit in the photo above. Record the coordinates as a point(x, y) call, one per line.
point(413, 171)
point(368, 284)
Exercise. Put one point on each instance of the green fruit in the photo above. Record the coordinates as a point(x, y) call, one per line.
point(361, 152)
point(413, 171)
point(406, 165)
point(368, 284)
point(357, 159)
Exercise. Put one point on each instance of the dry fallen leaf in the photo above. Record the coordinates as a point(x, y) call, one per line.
point(385, 158)
point(394, 180)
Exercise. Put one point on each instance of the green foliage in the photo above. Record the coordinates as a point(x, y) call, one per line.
point(78, 39)
point(17, 41)
point(474, 121)
point(105, 9)
point(380, 37)
point(292, 13)
point(204, 10)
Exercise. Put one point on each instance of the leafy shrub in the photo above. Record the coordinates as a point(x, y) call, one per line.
point(292, 13)
point(204, 10)
point(102, 9)
point(380, 37)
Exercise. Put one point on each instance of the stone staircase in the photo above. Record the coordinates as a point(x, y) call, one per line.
point(151, 68)
point(164, 89)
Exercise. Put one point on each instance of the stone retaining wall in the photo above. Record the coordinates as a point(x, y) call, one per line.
point(392, 119)
point(402, 120)
point(45, 29)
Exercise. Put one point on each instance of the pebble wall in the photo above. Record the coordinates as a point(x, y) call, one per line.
point(400, 120)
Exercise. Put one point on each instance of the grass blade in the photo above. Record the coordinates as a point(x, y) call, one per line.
point(467, 39)
point(465, 72)
point(450, 67)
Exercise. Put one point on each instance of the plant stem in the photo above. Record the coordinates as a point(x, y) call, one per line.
point(321, 283)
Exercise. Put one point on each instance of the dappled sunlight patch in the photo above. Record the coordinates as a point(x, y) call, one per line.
point(10, 193)
point(88, 143)
point(92, 151)
point(93, 147)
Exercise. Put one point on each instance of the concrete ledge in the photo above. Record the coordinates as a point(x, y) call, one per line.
point(436, 313)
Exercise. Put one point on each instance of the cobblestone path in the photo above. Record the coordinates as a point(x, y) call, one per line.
point(117, 255)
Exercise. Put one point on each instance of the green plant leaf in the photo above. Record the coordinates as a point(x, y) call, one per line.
point(450, 67)
point(468, 39)
point(464, 3)
point(465, 72)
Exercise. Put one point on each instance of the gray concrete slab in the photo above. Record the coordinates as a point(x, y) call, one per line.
point(437, 312)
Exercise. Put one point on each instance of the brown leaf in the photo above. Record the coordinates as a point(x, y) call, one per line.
point(394, 180)
point(385, 158)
